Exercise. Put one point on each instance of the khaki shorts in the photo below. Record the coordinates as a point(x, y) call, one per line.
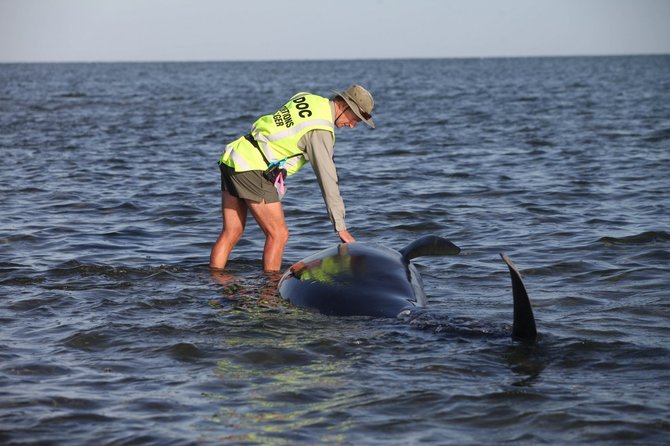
point(250, 185)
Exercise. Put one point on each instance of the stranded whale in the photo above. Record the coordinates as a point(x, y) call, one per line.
point(358, 279)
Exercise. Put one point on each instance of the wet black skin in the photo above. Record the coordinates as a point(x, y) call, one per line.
point(358, 279)
point(354, 279)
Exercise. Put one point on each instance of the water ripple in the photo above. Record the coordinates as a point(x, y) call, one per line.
point(114, 331)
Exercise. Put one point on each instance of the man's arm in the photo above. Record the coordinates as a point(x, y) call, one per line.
point(318, 148)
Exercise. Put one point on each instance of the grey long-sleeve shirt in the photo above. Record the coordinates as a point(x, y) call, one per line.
point(318, 147)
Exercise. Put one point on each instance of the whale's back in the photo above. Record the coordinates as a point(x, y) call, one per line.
point(353, 280)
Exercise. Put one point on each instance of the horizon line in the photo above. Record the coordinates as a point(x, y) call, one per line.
point(353, 59)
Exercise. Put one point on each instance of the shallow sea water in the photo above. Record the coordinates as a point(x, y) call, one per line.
point(113, 330)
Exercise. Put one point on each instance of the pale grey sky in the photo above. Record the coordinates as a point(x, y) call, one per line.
point(186, 30)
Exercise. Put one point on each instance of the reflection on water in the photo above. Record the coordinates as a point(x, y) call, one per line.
point(291, 378)
point(528, 362)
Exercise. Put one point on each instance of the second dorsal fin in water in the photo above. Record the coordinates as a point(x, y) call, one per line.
point(429, 245)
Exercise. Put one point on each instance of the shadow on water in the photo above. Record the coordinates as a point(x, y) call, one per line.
point(528, 362)
point(523, 359)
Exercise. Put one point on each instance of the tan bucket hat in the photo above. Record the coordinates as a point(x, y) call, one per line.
point(361, 102)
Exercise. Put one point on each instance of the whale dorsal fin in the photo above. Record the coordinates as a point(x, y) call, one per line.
point(429, 245)
point(523, 328)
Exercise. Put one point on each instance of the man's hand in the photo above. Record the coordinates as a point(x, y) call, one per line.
point(346, 237)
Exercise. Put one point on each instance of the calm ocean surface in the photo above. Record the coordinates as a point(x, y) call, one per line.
point(113, 331)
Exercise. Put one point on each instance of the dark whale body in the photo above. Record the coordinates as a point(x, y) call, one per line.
point(358, 279)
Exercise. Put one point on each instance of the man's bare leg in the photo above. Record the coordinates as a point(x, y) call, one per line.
point(234, 212)
point(270, 218)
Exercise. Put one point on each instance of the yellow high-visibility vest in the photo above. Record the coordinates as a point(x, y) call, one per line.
point(278, 134)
